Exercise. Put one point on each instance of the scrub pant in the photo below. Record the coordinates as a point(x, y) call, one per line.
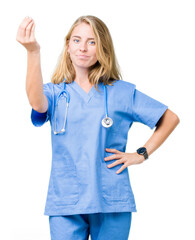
point(100, 226)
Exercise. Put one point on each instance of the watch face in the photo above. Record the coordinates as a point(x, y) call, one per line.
point(141, 150)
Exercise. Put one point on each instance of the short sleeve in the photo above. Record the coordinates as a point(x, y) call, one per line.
point(37, 118)
point(145, 109)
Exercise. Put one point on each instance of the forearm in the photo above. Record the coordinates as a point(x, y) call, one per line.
point(34, 81)
point(165, 126)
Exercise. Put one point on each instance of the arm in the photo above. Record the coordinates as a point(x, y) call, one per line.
point(165, 126)
point(34, 83)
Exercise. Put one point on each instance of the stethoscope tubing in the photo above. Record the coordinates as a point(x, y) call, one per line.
point(106, 122)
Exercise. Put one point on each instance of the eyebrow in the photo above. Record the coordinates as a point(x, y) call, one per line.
point(80, 37)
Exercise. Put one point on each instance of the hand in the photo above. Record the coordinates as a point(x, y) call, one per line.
point(26, 37)
point(126, 158)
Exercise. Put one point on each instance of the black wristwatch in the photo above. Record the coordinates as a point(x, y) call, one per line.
point(143, 151)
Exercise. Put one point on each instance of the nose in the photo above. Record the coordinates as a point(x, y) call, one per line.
point(83, 46)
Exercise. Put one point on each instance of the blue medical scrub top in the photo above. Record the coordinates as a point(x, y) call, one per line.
point(80, 182)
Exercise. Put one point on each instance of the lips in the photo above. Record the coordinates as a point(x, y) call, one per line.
point(82, 56)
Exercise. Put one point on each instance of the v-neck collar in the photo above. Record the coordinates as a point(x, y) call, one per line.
point(84, 95)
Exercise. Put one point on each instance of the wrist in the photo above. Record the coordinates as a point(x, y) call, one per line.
point(142, 151)
point(35, 52)
point(140, 158)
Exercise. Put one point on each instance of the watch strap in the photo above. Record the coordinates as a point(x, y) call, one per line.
point(140, 152)
point(146, 155)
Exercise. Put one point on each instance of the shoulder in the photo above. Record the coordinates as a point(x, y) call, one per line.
point(53, 87)
point(122, 85)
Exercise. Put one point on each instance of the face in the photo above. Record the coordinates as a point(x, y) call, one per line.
point(82, 46)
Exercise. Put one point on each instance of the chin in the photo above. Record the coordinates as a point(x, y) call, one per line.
point(85, 65)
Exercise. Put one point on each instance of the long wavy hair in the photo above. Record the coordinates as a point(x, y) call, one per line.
point(105, 70)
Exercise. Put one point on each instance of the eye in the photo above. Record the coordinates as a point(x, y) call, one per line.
point(76, 40)
point(93, 42)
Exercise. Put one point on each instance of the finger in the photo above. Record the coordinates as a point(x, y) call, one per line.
point(114, 156)
point(115, 163)
point(32, 36)
point(25, 23)
point(22, 28)
point(112, 150)
point(121, 169)
point(28, 30)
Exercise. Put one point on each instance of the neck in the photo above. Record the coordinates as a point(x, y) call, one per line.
point(82, 78)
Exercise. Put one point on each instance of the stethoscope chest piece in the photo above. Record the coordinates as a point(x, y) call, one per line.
point(107, 122)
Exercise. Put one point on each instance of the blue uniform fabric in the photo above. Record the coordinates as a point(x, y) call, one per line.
point(80, 182)
point(100, 226)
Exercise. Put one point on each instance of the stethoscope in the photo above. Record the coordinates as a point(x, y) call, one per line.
point(106, 121)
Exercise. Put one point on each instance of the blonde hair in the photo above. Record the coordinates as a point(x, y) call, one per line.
point(105, 70)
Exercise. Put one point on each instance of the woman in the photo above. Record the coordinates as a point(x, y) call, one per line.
point(90, 110)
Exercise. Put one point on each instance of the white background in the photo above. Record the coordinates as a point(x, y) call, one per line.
point(155, 46)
